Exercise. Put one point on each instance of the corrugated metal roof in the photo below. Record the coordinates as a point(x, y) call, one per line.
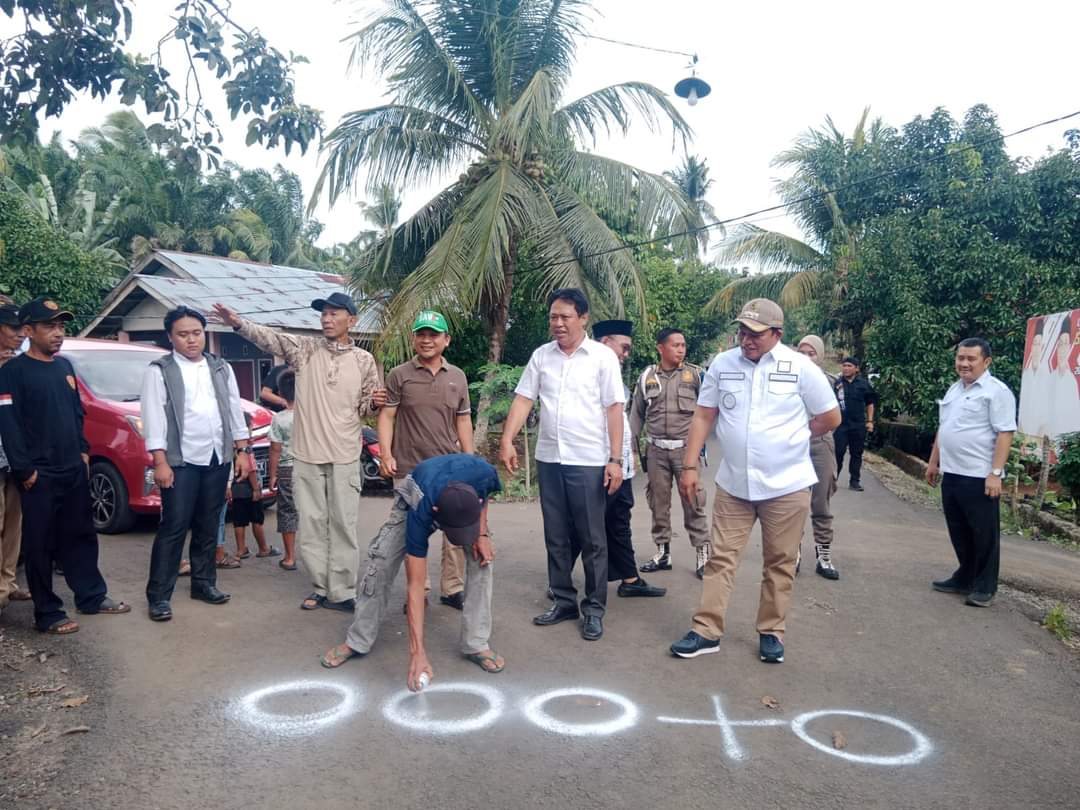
point(268, 294)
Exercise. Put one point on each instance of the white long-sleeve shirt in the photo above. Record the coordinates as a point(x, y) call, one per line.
point(203, 434)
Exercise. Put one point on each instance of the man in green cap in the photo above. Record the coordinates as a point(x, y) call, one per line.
point(427, 413)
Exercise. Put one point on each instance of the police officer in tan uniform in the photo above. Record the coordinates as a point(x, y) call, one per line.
point(663, 403)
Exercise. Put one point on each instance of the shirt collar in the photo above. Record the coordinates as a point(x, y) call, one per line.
point(180, 358)
point(984, 377)
point(586, 346)
point(334, 347)
point(417, 364)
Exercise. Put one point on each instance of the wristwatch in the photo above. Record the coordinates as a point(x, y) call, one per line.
point(997, 471)
point(614, 461)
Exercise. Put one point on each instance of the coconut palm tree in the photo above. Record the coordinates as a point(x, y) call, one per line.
point(478, 85)
point(692, 178)
point(794, 271)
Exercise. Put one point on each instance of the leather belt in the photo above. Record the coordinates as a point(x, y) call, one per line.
point(667, 444)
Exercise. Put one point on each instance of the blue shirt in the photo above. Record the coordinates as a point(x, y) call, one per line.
point(431, 477)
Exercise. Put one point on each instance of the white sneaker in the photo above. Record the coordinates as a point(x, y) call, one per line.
point(702, 558)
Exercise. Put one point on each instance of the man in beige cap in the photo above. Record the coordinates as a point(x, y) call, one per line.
point(766, 401)
point(823, 457)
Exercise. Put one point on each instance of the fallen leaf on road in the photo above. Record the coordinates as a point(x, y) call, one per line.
point(76, 730)
point(838, 740)
point(74, 703)
point(43, 657)
point(770, 702)
point(37, 731)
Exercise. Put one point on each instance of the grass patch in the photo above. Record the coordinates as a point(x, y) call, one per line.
point(1057, 622)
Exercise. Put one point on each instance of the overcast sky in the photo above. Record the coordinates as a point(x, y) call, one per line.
point(776, 69)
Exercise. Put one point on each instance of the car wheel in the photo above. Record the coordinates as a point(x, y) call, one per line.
point(109, 499)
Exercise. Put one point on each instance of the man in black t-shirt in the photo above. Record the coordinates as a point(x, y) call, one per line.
point(41, 425)
point(857, 401)
point(269, 395)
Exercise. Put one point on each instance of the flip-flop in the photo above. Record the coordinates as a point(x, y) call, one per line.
point(185, 569)
point(228, 562)
point(335, 656)
point(480, 658)
point(273, 552)
point(110, 606)
point(313, 602)
point(20, 595)
point(243, 556)
point(64, 627)
point(290, 567)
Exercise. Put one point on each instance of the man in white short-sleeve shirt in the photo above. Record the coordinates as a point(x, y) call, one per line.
point(582, 400)
point(766, 401)
point(977, 419)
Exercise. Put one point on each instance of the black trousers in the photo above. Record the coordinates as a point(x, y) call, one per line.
point(974, 523)
point(852, 438)
point(620, 546)
point(573, 502)
point(194, 501)
point(58, 526)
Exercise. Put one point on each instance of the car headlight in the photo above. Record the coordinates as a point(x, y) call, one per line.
point(136, 424)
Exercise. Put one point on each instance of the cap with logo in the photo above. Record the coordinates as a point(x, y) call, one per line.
point(338, 300)
point(43, 309)
point(430, 319)
point(458, 513)
point(761, 314)
point(9, 313)
point(602, 329)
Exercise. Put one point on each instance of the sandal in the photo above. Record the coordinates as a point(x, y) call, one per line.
point(228, 561)
point(483, 660)
point(287, 566)
point(336, 656)
point(63, 627)
point(185, 569)
point(273, 552)
point(243, 556)
point(20, 595)
point(313, 602)
point(109, 607)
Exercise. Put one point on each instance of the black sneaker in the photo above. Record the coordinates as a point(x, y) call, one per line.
point(856, 486)
point(640, 588)
point(454, 600)
point(770, 649)
point(950, 585)
point(825, 567)
point(692, 645)
point(979, 599)
point(661, 561)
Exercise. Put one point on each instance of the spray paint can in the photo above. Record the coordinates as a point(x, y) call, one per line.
point(423, 681)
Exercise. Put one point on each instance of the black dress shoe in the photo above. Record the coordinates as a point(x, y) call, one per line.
point(211, 596)
point(592, 627)
point(160, 612)
point(950, 585)
point(640, 588)
point(454, 600)
point(856, 486)
point(554, 615)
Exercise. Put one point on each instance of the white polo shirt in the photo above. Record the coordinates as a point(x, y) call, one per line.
point(764, 420)
point(969, 421)
point(575, 392)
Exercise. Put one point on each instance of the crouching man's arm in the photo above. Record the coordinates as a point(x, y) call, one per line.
point(415, 578)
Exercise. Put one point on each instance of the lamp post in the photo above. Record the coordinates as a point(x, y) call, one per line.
point(692, 88)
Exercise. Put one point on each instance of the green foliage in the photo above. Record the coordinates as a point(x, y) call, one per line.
point(497, 386)
point(35, 260)
point(1057, 622)
point(1067, 469)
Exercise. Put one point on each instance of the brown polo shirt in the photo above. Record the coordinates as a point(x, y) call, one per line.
point(428, 406)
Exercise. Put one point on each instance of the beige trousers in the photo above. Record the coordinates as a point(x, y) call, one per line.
point(327, 499)
point(664, 469)
point(10, 534)
point(782, 521)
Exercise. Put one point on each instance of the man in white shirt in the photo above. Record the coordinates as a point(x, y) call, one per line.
point(766, 401)
point(192, 422)
point(977, 419)
point(582, 403)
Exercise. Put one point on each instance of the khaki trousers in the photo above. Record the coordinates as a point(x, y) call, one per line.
point(664, 469)
point(782, 521)
point(452, 574)
point(10, 534)
point(328, 498)
point(823, 457)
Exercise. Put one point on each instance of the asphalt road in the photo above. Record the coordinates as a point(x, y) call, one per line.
point(971, 708)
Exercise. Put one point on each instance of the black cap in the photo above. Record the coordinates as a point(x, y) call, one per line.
point(458, 513)
point(338, 300)
point(43, 309)
point(603, 329)
point(9, 315)
point(853, 360)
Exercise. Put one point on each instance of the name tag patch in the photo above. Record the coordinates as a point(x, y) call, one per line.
point(791, 378)
point(732, 375)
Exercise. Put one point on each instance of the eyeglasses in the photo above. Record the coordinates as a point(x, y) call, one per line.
point(748, 334)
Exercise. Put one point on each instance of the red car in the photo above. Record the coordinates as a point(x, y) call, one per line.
point(121, 473)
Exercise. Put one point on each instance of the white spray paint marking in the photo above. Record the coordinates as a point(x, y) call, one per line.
point(727, 736)
point(921, 751)
point(408, 709)
point(534, 711)
point(248, 710)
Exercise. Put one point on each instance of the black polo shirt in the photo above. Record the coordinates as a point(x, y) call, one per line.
point(853, 397)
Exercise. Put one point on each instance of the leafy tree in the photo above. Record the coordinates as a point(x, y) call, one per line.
point(71, 46)
point(692, 179)
point(480, 83)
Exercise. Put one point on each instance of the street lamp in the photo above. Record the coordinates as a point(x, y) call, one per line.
point(692, 88)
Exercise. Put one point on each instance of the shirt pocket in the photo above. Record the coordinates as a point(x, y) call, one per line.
point(452, 398)
point(687, 398)
point(783, 388)
point(972, 412)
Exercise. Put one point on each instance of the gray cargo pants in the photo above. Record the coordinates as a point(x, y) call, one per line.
point(385, 555)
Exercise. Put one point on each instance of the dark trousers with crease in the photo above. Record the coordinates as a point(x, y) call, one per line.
point(974, 522)
point(573, 501)
point(850, 438)
point(58, 525)
point(194, 501)
point(621, 563)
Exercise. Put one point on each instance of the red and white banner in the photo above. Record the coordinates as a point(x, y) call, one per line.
point(1050, 384)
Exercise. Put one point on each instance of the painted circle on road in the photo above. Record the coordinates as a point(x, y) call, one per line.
point(410, 717)
point(249, 710)
point(534, 710)
point(919, 752)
